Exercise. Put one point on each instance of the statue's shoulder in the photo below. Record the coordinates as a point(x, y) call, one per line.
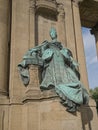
point(45, 42)
point(68, 51)
point(38, 47)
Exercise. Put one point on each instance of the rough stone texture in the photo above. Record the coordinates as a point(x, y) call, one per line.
point(29, 108)
point(45, 115)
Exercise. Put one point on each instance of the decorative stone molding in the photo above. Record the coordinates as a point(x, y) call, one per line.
point(32, 6)
point(39, 96)
point(32, 2)
point(47, 4)
point(61, 11)
point(3, 93)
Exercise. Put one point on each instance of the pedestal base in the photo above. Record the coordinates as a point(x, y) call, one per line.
point(46, 114)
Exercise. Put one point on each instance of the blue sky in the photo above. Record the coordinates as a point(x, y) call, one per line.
point(91, 57)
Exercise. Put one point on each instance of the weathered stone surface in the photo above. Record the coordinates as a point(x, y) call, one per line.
point(46, 115)
point(79, 43)
point(4, 117)
point(4, 46)
point(20, 110)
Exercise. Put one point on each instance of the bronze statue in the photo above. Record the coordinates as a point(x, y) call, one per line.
point(59, 71)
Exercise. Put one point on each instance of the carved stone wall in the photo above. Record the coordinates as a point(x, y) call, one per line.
point(29, 108)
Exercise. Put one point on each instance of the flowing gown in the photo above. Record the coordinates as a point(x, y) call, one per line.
point(62, 77)
point(57, 73)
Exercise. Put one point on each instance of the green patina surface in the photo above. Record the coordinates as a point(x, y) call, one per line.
point(59, 71)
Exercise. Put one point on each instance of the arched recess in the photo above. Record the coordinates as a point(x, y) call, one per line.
point(49, 14)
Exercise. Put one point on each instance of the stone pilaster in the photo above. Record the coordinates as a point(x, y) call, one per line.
point(69, 28)
point(32, 23)
point(32, 91)
point(94, 31)
point(61, 24)
point(4, 23)
point(79, 42)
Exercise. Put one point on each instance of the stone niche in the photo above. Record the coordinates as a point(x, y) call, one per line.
point(49, 14)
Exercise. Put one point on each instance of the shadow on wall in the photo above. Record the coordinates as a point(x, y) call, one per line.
point(86, 116)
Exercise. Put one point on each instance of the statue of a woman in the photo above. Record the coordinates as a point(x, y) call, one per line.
point(59, 71)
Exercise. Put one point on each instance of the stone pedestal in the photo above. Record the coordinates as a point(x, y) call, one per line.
point(49, 114)
point(33, 91)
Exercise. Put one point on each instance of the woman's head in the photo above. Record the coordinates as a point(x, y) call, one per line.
point(53, 33)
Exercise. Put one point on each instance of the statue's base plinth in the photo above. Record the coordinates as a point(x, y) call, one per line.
point(34, 93)
point(45, 112)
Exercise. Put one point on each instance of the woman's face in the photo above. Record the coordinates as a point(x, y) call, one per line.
point(53, 34)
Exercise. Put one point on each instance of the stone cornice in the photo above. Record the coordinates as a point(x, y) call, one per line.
point(3, 93)
point(49, 4)
point(35, 95)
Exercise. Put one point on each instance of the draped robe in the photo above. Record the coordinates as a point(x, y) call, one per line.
point(59, 71)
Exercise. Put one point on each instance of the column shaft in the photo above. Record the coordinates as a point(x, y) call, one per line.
point(32, 23)
point(33, 90)
point(69, 28)
point(61, 24)
point(79, 43)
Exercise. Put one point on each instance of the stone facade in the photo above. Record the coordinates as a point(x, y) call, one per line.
point(25, 24)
